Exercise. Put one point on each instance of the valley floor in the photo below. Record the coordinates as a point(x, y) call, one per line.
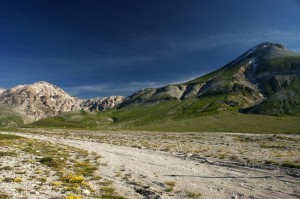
point(137, 172)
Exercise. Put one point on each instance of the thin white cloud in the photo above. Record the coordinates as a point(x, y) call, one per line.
point(246, 38)
point(113, 87)
point(77, 90)
point(288, 38)
point(128, 60)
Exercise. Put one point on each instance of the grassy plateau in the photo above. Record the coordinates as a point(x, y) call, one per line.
point(208, 115)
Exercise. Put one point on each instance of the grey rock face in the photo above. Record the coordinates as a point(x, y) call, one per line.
point(169, 92)
point(191, 90)
point(39, 100)
point(100, 104)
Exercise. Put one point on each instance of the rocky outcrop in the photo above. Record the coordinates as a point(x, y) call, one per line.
point(149, 95)
point(191, 90)
point(285, 101)
point(39, 100)
point(100, 104)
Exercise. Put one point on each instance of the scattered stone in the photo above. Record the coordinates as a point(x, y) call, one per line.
point(86, 192)
point(147, 193)
point(34, 192)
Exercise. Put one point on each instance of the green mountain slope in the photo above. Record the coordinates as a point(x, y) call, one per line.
point(188, 116)
point(249, 80)
point(9, 118)
point(285, 101)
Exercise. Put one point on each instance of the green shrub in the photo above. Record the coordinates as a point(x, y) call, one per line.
point(49, 161)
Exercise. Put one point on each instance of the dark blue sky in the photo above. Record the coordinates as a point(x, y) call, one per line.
point(94, 48)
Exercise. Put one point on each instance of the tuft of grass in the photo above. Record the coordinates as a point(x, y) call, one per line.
point(9, 137)
point(234, 158)
point(291, 164)
point(273, 145)
point(170, 183)
point(38, 171)
point(71, 178)
point(8, 179)
point(7, 153)
point(105, 183)
point(170, 186)
point(169, 189)
point(107, 190)
point(193, 194)
point(72, 197)
point(4, 195)
point(6, 168)
point(17, 180)
point(43, 180)
point(55, 183)
point(85, 168)
point(109, 196)
point(222, 156)
point(49, 161)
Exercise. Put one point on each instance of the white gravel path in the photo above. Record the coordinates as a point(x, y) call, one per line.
point(135, 170)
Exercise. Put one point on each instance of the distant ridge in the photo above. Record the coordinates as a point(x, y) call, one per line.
point(42, 99)
point(265, 74)
point(263, 80)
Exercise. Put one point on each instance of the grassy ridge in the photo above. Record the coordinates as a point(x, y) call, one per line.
point(80, 119)
point(8, 118)
point(187, 116)
point(229, 123)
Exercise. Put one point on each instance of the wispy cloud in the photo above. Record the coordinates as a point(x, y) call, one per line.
point(246, 38)
point(113, 88)
point(123, 88)
point(128, 60)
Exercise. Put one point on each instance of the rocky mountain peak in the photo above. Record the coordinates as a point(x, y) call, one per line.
point(39, 100)
point(42, 99)
point(262, 53)
point(270, 44)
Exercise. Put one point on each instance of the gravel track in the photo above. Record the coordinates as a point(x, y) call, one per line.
point(140, 173)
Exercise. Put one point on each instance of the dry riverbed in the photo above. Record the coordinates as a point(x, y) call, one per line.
point(188, 165)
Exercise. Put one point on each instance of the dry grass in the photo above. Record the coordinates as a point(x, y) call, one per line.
point(60, 169)
point(250, 148)
point(193, 194)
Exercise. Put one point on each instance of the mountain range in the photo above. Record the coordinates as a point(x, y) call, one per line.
point(42, 99)
point(264, 80)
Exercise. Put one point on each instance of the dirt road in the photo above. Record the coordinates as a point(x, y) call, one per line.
point(140, 173)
